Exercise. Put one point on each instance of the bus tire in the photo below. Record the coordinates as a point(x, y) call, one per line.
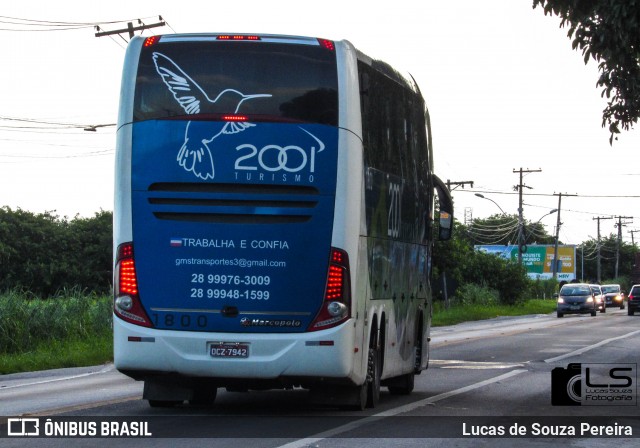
point(402, 385)
point(164, 403)
point(204, 396)
point(419, 353)
point(373, 377)
point(355, 398)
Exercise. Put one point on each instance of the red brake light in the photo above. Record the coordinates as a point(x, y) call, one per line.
point(336, 306)
point(235, 118)
point(149, 41)
point(127, 303)
point(237, 37)
point(328, 44)
point(128, 279)
point(335, 283)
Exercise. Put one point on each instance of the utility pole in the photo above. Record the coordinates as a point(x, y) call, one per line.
point(520, 211)
point(558, 224)
point(633, 241)
point(468, 217)
point(458, 184)
point(619, 239)
point(130, 28)
point(599, 257)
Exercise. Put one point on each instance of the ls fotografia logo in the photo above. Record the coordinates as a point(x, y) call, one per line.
point(594, 385)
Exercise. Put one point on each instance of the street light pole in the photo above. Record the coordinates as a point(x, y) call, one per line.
point(552, 211)
point(520, 186)
point(558, 224)
point(555, 247)
point(489, 199)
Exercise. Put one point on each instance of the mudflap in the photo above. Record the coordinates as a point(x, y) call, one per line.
point(158, 390)
point(344, 397)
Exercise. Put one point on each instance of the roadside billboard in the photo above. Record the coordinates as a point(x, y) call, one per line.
point(538, 259)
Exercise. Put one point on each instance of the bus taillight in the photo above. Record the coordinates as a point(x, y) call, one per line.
point(326, 43)
point(337, 298)
point(238, 37)
point(127, 304)
point(235, 118)
point(149, 41)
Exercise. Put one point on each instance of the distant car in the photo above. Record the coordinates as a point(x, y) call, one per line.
point(598, 296)
point(577, 298)
point(633, 300)
point(613, 296)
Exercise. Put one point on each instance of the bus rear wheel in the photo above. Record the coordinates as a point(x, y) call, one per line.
point(164, 403)
point(373, 377)
point(204, 396)
point(402, 385)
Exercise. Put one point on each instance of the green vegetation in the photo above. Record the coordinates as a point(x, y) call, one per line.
point(70, 329)
point(44, 254)
point(463, 313)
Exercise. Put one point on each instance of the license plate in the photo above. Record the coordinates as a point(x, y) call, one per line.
point(575, 307)
point(230, 350)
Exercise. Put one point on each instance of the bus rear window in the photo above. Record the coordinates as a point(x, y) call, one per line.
point(269, 80)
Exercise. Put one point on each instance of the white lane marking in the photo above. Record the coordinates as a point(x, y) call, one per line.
point(590, 347)
point(64, 378)
point(395, 411)
point(473, 365)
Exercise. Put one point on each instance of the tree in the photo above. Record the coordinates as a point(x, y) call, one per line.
point(464, 265)
point(43, 253)
point(609, 32)
point(608, 246)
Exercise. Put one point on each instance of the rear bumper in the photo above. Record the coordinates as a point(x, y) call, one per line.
point(576, 309)
point(143, 352)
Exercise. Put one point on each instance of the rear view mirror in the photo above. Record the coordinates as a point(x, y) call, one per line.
point(446, 209)
point(446, 224)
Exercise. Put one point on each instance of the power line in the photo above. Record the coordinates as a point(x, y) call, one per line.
point(68, 156)
point(33, 124)
point(594, 196)
point(33, 25)
point(131, 29)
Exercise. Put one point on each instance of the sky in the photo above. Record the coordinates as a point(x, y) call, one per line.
point(504, 89)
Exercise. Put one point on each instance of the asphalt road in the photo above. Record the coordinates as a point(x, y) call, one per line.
point(484, 377)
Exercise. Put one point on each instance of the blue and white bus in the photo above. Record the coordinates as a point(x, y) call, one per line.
point(274, 220)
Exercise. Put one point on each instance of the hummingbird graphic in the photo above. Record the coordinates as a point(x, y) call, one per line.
point(195, 154)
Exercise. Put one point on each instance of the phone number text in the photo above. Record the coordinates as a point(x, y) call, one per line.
point(201, 293)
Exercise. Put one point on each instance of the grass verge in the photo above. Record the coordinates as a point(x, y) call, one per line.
point(463, 313)
point(60, 354)
point(69, 330)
